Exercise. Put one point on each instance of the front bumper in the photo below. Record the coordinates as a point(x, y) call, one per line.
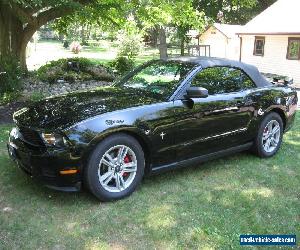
point(45, 164)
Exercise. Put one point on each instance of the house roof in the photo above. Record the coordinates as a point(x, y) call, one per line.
point(228, 30)
point(283, 17)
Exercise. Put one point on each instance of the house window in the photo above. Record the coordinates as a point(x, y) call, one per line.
point(293, 51)
point(259, 45)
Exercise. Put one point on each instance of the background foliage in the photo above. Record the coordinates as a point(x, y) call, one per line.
point(10, 75)
point(123, 64)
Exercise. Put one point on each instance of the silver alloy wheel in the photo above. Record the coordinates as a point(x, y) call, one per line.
point(271, 136)
point(117, 168)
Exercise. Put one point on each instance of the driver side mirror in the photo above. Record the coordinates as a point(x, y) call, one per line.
point(196, 92)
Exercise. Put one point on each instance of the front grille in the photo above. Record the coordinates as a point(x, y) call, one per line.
point(31, 136)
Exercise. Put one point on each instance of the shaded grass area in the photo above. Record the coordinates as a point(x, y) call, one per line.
point(204, 207)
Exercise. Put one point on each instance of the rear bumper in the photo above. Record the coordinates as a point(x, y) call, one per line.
point(45, 165)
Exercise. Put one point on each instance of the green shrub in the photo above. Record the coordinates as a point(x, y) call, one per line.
point(36, 96)
point(130, 40)
point(8, 97)
point(71, 76)
point(73, 69)
point(130, 46)
point(10, 75)
point(122, 64)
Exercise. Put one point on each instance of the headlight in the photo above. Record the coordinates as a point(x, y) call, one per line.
point(54, 139)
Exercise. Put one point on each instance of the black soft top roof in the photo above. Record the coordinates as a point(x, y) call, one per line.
point(206, 62)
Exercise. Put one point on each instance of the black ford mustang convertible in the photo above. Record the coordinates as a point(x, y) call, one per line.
point(163, 115)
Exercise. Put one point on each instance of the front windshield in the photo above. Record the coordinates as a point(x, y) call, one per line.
point(159, 77)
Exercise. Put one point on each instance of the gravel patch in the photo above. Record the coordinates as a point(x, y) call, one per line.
point(32, 86)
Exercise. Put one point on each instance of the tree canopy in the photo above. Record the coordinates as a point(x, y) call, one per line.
point(232, 11)
point(20, 19)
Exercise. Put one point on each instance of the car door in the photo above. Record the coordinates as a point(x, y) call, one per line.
point(216, 122)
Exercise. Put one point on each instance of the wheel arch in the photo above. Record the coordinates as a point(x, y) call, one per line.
point(131, 132)
point(145, 146)
point(282, 114)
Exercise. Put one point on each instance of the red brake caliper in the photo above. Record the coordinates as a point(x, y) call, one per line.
point(127, 159)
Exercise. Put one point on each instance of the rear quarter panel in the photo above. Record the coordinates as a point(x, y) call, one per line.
point(282, 100)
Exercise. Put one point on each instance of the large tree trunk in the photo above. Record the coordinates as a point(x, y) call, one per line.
point(181, 31)
point(18, 24)
point(82, 34)
point(153, 36)
point(163, 50)
point(21, 54)
point(182, 40)
point(13, 38)
point(11, 33)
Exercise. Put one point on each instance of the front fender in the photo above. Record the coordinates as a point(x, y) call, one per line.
point(135, 132)
point(85, 136)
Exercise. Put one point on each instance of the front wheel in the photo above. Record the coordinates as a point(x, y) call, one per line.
point(269, 137)
point(115, 168)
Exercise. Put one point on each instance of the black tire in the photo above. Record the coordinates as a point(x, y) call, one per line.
point(258, 143)
point(91, 178)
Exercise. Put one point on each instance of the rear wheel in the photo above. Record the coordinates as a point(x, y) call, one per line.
point(269, 137)
point(115, 168)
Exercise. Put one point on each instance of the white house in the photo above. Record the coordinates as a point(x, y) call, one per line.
point(222, 40)
point(271, 41)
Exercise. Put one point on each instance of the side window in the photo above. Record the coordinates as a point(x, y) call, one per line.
point(219, 80)
point(246, 82)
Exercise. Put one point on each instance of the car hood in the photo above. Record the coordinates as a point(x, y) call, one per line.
point(66, 110)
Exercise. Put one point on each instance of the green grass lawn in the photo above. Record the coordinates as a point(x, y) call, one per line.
point(204, 207)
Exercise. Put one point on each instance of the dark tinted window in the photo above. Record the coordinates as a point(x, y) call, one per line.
point(218, 80)
point(158, 77)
